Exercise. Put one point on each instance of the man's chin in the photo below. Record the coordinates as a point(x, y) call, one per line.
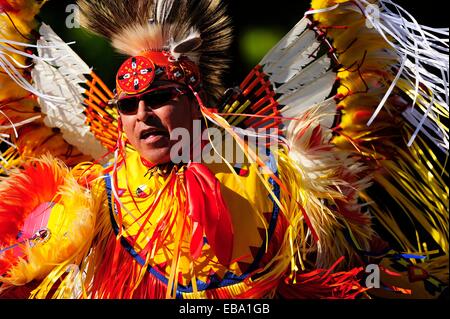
point(159, 156)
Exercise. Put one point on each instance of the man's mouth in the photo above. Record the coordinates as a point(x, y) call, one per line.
point(153, 133)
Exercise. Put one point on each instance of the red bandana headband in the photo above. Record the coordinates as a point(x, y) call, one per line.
point(138, 73)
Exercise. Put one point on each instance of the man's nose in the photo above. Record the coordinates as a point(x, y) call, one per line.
point(143, 111)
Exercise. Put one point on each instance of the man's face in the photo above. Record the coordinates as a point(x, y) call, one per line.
point(149, 128)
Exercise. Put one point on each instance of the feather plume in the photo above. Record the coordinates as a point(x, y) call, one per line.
point(70, 225)
point(299, 70)
point(135, 37)
point(67, 72)
point(198, 29)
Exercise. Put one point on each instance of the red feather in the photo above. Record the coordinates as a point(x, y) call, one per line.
point(22, 193)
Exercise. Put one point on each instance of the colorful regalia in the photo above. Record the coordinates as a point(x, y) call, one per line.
point(336, 189)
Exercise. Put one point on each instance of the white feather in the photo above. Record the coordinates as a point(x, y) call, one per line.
point(304, 76)
point(301, 77)
point(62, 77)
point(296, 56)
point(51, 46)
point(300, 100)
point(186, 45)
point(326, 111)
point(276, 52)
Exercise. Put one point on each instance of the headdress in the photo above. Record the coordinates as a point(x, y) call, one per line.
point(179, 39)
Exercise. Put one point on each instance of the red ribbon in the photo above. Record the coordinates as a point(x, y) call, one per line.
point(209, 214)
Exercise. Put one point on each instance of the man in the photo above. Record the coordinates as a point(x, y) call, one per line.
point(197, 228)
point(158, 221)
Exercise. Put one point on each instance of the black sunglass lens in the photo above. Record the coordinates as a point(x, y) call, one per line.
point(159, 97)
point(152, 99)
point(127, 106)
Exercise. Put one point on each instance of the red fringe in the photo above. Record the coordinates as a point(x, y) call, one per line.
point(118, 284)
point(118, 274)
point(323, 284)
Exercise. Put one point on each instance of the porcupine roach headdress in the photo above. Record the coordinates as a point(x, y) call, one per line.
point(183, 40)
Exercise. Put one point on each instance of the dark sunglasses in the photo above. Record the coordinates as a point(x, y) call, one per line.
point(154, 98)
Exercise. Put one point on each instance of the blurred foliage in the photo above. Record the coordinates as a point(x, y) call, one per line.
point(256, 41)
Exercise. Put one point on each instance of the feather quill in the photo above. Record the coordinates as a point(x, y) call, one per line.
point(67, 72)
